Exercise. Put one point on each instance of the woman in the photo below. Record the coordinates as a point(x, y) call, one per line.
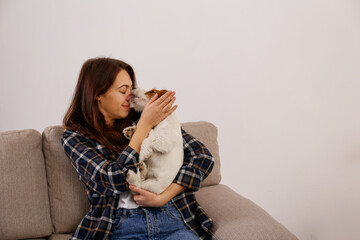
point(101, 155)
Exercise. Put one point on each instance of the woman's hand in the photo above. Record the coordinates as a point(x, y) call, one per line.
point(145, 198)
point(154, 112)
point(157, 110)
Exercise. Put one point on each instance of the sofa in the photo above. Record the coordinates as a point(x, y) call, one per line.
point(41, 196)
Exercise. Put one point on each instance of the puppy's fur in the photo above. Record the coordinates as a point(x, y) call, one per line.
point(161, 154)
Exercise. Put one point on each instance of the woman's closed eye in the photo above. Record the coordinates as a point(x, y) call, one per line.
point(125, 90)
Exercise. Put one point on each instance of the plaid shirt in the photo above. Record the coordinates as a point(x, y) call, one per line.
point(104, 175)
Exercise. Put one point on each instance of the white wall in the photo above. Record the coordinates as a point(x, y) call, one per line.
point(280, 79)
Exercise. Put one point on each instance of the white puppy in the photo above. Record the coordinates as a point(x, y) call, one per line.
point(161, 153)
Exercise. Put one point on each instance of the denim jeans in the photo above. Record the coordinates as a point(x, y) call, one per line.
point(151, 224)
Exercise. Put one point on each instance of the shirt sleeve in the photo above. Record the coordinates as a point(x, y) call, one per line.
point(198, 163)
point(100, 173)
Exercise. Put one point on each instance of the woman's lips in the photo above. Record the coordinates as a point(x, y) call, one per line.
point(126, 107)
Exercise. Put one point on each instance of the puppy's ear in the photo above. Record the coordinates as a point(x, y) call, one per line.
point(161, 92)
point(150, 93)
point(153, 91)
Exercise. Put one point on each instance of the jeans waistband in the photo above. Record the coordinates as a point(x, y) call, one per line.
point(141, 210)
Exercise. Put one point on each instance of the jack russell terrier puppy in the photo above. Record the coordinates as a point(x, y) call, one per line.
point(161, 153)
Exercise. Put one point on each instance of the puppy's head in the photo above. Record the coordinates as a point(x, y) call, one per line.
point(140, 97)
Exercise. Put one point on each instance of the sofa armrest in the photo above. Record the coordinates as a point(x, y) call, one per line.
point(236, 217)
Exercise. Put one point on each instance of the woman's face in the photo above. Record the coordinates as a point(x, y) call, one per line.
point(114, 104)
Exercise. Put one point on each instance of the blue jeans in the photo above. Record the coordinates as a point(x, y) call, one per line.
point(152, 224)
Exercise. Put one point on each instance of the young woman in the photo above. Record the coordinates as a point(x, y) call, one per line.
point(102, 156)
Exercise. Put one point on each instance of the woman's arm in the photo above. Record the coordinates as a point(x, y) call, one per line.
point(95, 169)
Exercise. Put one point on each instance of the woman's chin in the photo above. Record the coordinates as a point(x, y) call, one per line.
point(123, 115)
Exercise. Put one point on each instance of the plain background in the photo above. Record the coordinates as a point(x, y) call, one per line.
point(280, 79)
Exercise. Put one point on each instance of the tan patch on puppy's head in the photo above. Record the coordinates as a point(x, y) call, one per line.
point(153, 91)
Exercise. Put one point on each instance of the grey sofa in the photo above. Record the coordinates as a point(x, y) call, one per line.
point(41, 196)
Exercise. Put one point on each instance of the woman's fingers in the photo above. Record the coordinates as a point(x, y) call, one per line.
point(165, 99)
point(153, 99)
point(145, 198)
point(170, 111)
point(168, 106)
point(136, 189)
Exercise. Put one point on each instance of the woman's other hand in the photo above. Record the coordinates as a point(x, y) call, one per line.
point(146, 198)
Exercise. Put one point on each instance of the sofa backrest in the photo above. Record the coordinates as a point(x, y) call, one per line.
point(24, 199)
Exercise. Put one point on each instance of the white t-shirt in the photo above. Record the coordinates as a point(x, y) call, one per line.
point(127, 201)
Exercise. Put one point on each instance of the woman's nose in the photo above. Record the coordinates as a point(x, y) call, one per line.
point(130, 96)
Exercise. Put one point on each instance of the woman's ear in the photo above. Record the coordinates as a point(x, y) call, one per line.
point(98, 98)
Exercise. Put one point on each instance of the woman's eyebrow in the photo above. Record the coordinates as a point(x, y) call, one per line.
point(125, 85)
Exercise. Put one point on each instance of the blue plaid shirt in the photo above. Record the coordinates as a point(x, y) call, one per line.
point(104, 175)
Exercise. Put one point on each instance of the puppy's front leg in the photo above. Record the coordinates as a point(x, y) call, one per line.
point(161, 140)
point(146, 149)
point(129, 131)
point(142, 168)
point(133, 178)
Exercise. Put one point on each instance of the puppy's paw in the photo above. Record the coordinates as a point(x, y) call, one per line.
point(129, 131)
point(142, 168)
point(132, 178)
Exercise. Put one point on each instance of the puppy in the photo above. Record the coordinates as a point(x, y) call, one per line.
point(161, 153)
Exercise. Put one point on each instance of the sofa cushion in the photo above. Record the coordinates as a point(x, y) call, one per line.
point(68, 199)
point(207, 133)
point(239, 218)
point(24, 199)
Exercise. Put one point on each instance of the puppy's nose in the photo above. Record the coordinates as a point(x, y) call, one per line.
point(130, 96)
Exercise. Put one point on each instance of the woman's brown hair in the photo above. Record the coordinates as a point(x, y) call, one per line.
point(95, 78)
